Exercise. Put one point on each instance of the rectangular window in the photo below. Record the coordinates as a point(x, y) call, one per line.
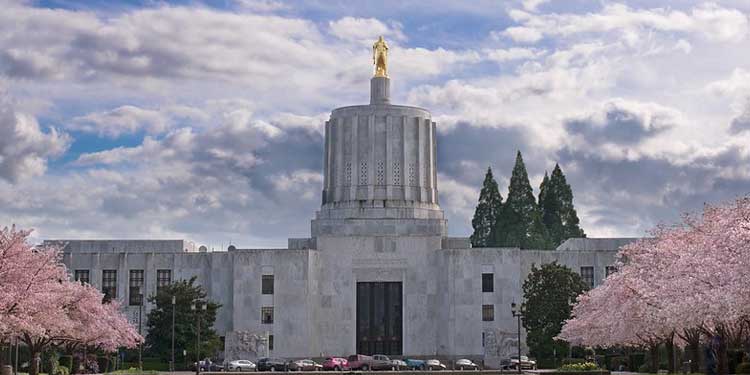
point(163, 278)
point(109, 284)
point(266, 315)
point(488, 313)
point(587, 274)
point(82, 276)
point(266, 284)
point(483, 339)
point(609, 270)
point(136, 287)
point(270, 342)
point(488, 282)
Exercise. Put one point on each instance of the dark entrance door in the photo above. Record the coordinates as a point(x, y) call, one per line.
point(379, 323)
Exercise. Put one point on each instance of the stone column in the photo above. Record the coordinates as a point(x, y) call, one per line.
point(380, 90)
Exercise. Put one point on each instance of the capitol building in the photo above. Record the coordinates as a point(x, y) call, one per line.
point(378, 273)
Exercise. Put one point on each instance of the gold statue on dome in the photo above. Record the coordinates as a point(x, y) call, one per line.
point(380, 57)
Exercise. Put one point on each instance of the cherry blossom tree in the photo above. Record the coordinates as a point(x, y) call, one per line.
point(42, 307)
point(689, 278)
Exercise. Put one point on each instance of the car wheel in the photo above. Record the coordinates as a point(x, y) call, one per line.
point(393, 369)
point(337, 368)
point(461, 368)
point(365, 368)
point(422, 368)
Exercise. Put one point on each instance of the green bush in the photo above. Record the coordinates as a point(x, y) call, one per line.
point(568, 361)
point(576, 367)
point(62, 370)
point(644, 368)
point(743, 368)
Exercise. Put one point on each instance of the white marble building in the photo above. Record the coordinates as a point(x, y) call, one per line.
point(378, 273)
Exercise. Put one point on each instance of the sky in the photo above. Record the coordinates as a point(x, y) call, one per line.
point(204, 120)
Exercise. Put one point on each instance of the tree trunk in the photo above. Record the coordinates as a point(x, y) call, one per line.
point(653, 351)
point(694, 348)
point(36, 360)
point(670, 353)
point(722, 358)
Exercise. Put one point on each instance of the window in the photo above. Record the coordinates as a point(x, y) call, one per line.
point(483, 339)
point(488, 313)
point(488, 283)
point(266, 315)
point(82, 276)
point(266, 284)
point(136, 287)
point(609, 270)
point(109, 284)
point(587, 274)
point(163, 278)
point(270, 342)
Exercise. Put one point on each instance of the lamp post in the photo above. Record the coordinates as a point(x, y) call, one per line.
point(193, 307)
point(517, 313)
point(174, 304)
point(140, 331)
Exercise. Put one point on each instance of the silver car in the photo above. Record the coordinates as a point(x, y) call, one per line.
point(434, 365)
point(466, 364)
point(240, 365)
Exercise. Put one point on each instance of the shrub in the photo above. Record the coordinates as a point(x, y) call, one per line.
point(62, 370)
point(644, 368)
point(568, 361)
point(743, 368)
point(576, 367)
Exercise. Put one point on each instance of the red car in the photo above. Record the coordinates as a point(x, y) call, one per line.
point(336, 364)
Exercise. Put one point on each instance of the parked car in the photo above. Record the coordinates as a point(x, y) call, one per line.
point(335, 364)
point(271, 364)
point(466, 364)
point(415, 364)
point(240, 365)
point(400, 365)
point(208, 365)
point(512, 363)
point(367, 363)
point(304, 365)
point(434, 365)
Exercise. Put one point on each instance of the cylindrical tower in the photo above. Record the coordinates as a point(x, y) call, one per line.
point(380, 162)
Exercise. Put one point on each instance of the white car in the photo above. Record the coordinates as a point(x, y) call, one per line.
point(434, 364)
point(240, 365)
point(466, 364)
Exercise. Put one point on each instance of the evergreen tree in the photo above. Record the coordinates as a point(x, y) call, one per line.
point(515, 224)
point(547, 293)
point(488, 209)
point(159, 333)
point(568, 216)
point(549, 207)
point(538, 235)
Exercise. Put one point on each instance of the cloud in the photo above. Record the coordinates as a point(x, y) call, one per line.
point(364, 30)
point(24, 147)
point(622, 122)
point(510, 54)
point(741, 123)
point(708, 20)
point(261, 5)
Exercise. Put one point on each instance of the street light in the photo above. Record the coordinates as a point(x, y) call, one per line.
point(198, 343)
point(174, 303)
point(140, 331)
point(517, 313)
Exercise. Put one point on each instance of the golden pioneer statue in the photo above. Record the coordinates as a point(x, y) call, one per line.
point(380, 57)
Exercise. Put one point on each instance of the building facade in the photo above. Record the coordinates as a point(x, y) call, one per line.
point(378, 273)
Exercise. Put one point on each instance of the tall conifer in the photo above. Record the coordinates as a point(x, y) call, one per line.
point(568, 216)
point(549, 207)
point(488, 209)
point(514, 227)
